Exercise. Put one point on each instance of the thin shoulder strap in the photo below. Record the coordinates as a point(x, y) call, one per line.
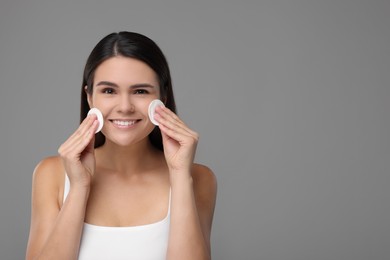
point(66, 187)
point(169, 203)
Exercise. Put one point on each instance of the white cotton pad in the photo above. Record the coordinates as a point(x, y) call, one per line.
point(99, 117)
point(152, 107)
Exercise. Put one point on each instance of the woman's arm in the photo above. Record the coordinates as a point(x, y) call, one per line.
point(193, 187)
point(192, 210)
point(55, 230)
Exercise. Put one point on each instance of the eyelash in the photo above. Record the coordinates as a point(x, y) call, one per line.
point(111, 91)
point(141, 91)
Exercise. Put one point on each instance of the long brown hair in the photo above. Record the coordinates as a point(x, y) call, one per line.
point(132, 45)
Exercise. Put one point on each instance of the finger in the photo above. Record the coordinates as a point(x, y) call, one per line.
point(171, 127)
point(85, 140)
point(78, 141)
point(74, 149)
point(81, 133)
point(84, 134)
point(85, 125)
point(178, 134)
point(167, 111)
point(171, 116)
point(170, 119)
point(91, 145)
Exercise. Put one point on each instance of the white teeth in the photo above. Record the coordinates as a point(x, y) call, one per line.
point(123, 123)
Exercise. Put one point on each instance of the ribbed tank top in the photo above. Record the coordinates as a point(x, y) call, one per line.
point(145, 242)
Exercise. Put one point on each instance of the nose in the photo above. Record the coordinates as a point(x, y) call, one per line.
point(126, 105)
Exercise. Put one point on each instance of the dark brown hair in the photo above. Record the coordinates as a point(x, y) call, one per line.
point(132, 45)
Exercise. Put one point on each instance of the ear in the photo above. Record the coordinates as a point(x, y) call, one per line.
point(89, 97)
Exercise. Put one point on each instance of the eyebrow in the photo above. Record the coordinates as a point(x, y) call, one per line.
point(138, 85)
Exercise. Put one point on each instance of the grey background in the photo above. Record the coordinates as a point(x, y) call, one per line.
point(291, 99)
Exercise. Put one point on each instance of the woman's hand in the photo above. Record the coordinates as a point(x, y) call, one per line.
point(77, 153)
point(179, 141)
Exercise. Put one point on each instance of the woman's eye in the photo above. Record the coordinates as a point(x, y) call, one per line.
point(141, 91)
point(108, 91)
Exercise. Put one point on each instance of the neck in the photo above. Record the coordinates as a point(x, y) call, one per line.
point(127, 159)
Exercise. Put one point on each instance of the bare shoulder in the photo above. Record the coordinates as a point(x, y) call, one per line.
point(203, 176)
point(46, 202)
point(205, 184)
point(48, 176)
point(48, 169)
point(205, 192)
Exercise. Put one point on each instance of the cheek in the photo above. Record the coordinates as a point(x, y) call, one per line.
point(105, 106)
point(99, 103)
point(143, 105)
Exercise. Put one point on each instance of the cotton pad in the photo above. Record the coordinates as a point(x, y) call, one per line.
point(152, 107)
point(99, 117)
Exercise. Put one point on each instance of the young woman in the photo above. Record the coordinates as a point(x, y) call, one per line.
point(132, 190)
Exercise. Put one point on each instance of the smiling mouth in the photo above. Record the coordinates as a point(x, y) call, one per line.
point(124, 122)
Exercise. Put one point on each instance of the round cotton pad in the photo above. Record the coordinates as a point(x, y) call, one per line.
point(152, 107)
point(99, 117)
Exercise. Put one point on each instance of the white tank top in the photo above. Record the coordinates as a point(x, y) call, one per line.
point(113, 243)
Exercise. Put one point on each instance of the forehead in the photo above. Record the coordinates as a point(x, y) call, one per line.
point(125, 71)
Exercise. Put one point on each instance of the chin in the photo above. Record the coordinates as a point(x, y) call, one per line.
point(127, 141)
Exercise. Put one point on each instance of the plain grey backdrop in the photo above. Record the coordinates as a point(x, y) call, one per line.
point(291, 99)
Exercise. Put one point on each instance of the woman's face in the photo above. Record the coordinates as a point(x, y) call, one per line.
point(122, 90)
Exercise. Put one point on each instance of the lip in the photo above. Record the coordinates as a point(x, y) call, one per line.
point(124, 123)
